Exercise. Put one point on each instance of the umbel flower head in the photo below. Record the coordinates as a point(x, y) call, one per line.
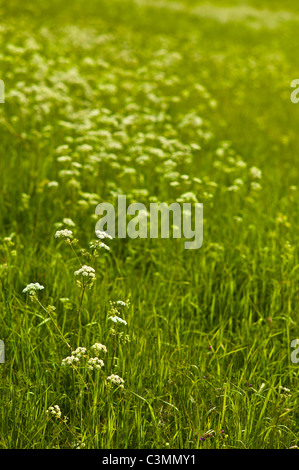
point(97, 244)
point(32, 288)
point(79, 352)
point(65, 234)
point(94, 363)
point(103, 235)
point(69, 360)
point(86, 271)
point(116, 319)
point(115, 380)
point(54, 411)
point(88, 275)
point(98, 347)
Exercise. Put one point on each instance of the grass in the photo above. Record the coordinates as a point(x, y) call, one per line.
point(119, 87)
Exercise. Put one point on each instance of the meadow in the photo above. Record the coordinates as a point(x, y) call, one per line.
point(139, 343)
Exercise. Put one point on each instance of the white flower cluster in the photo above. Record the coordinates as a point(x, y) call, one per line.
point(78, 445)
point(97, 244)
point(116, 319)
point(102, 235)
point(103, 245)
point(116, 380)
point(86, 271)
point(32, 288)
point(255, 172)
point(65, 234)
point(94, 363)
point(79, 352)
point(54, 411)
point(99, 347)
point(69, 222)
point(122, 303)
point(75, 357)
point(69, 360)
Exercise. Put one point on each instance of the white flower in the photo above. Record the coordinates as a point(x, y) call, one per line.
point(284, 388)
point(68, 361)
point(66, 234)
point(102, 245)
point(121, 303)
point(53, 184)
point(54, 411)
point(78, 445)
point(79, 352)
point(102, 235)
point(94, 363)
point(64, 158)
point(255, 172)
point(117, 319)
point(99, 347)
point(69, 222)
point(32, 288)
point(115, 379)
point(86, 271)
point(98, 244)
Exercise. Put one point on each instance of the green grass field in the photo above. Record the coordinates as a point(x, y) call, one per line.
point(161, 101)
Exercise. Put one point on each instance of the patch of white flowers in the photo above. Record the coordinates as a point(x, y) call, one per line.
point(79, 352)
point(69, 360)
point(102, 235)
point(116, 380)
point(97, 347)
point(32, 288)
point(87, 274)
point(64, 234)
point(94, 363)
point(54, 411)
point(255, 172)
point(85, 271)
point(116, 319)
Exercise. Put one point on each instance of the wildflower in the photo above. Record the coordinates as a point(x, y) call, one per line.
point(53, 184)
point(94, 363)
point(99, 347)
point(103, 245)
point(255, 185)
point(86, 271)
point(284, 388)
point(116, 319)
point(68, 361)
point(69, 222)
point(32, 288)
point(122, 303)
point(79, 352)
point(64, 158)
point(54, 411)
point(78, 445)
point(66, 234)
point(255, 172)
point(115, 379)
point(97, 244)
point(102, 235)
